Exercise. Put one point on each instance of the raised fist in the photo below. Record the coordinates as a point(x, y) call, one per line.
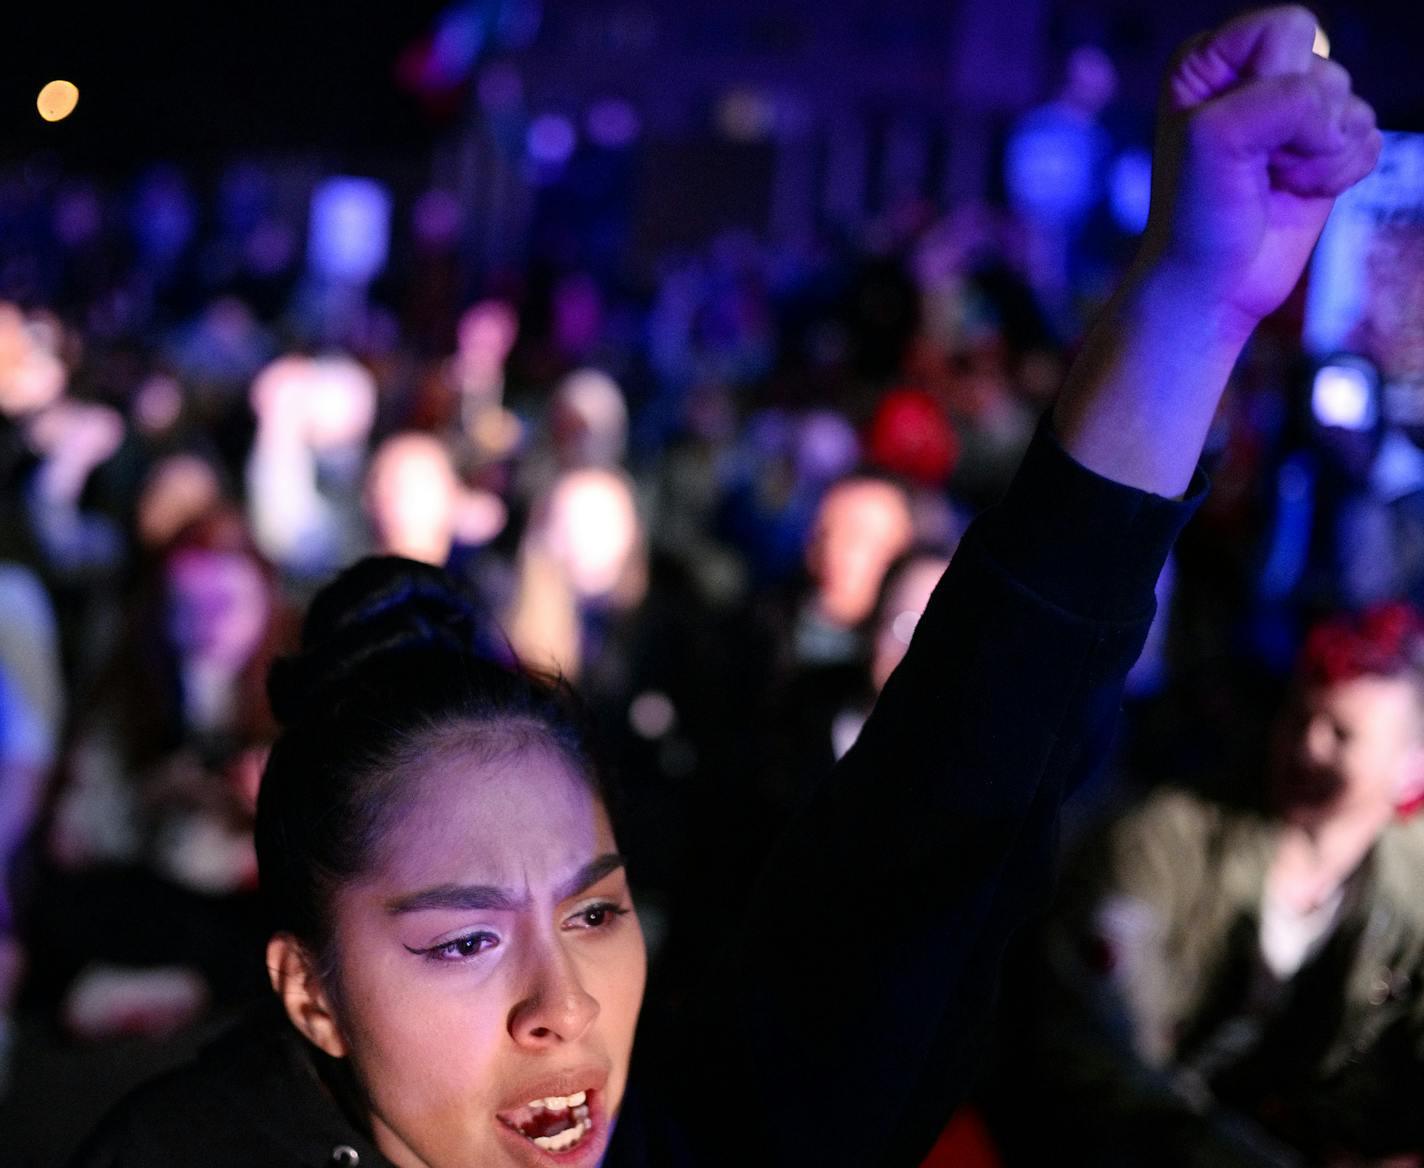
point(1257, 135)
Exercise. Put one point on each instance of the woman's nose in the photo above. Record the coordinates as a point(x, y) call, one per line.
point(556, 1009)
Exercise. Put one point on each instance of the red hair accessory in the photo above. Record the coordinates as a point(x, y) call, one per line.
point(1382, 641)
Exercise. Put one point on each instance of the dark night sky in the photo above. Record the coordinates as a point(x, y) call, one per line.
point(166, 78)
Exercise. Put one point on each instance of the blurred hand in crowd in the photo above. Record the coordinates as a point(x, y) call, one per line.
point(322, 403)
point(484, 338)
point(73, 438)
point(32, 374)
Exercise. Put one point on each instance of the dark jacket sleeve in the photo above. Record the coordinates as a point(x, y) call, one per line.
point(855, 997)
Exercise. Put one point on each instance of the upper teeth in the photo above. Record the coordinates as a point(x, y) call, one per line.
point(559, 1102)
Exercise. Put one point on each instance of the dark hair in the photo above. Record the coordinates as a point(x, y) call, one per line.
point(141, 684)
point(396, 662)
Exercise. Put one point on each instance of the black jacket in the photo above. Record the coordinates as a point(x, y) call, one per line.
point(842, 1025)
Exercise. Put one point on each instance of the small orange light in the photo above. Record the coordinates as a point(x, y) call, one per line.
point(57, 100)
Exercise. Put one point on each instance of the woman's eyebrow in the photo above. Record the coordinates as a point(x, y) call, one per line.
point(589, 875)
point(479, 897)
point(490, 898)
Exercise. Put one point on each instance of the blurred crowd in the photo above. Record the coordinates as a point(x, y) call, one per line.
point(715, 500)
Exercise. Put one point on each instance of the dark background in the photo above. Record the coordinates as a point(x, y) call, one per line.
point(167, 78)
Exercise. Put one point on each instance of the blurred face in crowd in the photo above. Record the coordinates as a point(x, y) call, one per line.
point(906, 597)
point(1091, 80)
point(218, 606)
point(179, 489)
point(491, 968)
point(861, 526)
point(591, 528)
point(1351, 748)
point(157, 404)
point(32, 376)
point(412, 494)
point(589, 420)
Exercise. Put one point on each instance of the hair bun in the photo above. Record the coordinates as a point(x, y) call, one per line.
point(378, 610)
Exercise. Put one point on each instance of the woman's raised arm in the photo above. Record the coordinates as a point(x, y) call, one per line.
point(856, 991)
point(1256, 136)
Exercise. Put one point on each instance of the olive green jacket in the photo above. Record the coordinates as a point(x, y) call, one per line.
point(1161, 1027)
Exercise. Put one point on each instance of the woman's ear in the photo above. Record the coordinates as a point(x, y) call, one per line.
point(294, 976)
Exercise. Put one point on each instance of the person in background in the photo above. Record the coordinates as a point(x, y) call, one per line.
point(453, 945)
point(176, 490)
point(143, 900)
point(864, 522)
point(1245, 985)
point(582, 570)
point(32, 710)
point(585, 425)
point(57, 441)
point(910, 436)
point(819, 712)
point(304, 471)
point(464, 401)
point(772, 481)
point(416, 505)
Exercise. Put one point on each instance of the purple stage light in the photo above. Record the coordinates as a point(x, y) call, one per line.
point(350, 229)
point(551, 140)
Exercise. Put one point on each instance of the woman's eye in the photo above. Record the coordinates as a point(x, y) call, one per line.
point(459, 949)
point(595, 916)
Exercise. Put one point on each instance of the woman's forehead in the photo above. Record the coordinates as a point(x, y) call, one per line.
point(520, 817)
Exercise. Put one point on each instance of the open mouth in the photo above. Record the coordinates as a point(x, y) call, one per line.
point(558, 1123)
